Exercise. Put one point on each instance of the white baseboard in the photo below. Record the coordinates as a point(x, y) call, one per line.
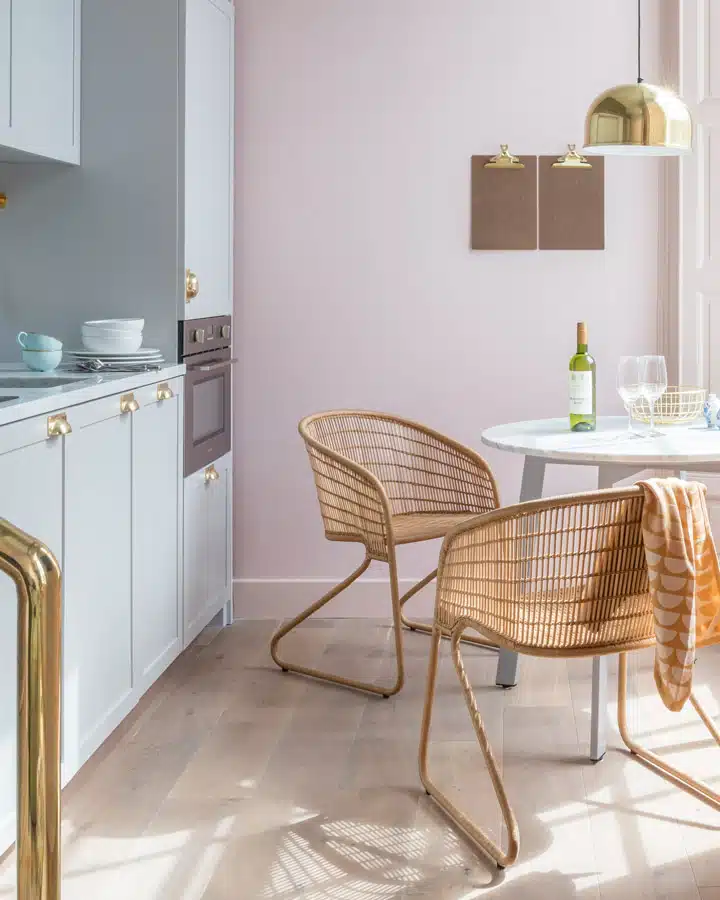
point(283, 598)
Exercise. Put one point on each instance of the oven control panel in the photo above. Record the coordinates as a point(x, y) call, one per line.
point(203, 335)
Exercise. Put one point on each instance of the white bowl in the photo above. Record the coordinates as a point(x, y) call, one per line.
point(128, 343)
point(124, 324)
point(97, 331)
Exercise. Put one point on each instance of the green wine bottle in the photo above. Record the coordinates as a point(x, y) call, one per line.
point(582, 385)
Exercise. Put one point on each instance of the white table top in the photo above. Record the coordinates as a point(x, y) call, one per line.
point(552, 439)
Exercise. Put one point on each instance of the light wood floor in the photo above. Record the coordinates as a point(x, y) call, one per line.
point(233, 781)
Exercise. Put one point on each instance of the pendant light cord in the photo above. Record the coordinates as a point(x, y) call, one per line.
point(638, 46)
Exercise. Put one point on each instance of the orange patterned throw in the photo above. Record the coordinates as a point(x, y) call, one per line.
point(684, 581)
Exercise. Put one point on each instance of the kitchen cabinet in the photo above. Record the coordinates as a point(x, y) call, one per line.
point(209, 149)
point(97, 572)
point(40, 79)
point(207, 547)
point(156, 501)
point(31, 474)
point(106, 498)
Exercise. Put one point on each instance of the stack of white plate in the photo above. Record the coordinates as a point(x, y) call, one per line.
point(148, 356)
point(115, 341)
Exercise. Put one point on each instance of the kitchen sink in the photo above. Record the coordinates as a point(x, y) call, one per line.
point(7, 399)
point(30, 381)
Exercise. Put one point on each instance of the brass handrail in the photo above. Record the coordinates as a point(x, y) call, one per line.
point(37, 578)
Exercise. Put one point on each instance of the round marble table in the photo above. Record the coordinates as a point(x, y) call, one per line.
point(617, 455)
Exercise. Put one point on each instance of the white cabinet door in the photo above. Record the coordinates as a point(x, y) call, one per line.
point(207, 541)
point(219, 498)
point(156, 443)
point(31, 498)
point(98, 547)
point(44, 47)
point(209, 123)
point(195, 603)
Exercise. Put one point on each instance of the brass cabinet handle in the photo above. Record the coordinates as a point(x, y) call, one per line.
point(192, 285)
point(128, 404)
point(164, 391)
point(58, 425)
point(211, 474)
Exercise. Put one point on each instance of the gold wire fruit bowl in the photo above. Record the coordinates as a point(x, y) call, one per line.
point(677, 406)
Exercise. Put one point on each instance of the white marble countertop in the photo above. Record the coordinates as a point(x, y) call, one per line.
point(552, 439)
point(29, 401)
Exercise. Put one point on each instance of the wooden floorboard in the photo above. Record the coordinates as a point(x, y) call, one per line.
point(234, 781)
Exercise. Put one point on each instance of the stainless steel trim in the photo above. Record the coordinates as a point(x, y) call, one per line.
point(214, 366)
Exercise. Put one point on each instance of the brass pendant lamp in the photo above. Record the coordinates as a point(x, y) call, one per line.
point(638, 120)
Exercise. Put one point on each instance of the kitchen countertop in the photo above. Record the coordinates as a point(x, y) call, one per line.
point(36, 401)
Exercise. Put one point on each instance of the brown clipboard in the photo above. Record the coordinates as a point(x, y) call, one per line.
point(504, 202)
point(571, 199)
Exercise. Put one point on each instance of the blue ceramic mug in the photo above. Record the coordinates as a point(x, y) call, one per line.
point(38, 341)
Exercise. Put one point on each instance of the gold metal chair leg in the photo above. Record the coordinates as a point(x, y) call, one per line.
point(328, 676)
point(424, 628)
point(38, 583)
point(477, 837)
point(684, 781)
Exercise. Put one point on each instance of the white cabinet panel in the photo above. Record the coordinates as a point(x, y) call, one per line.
point(157, 629)
point(219, 496)
point(43, 41)
point(194, 557)
point(207, 542)
point(31, 498)
point(98, 617)
point(209, 124)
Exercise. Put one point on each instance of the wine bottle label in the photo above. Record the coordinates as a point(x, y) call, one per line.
point(581, 393)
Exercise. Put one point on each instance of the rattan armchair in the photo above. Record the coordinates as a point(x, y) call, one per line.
point(563, 577)
point(384, 481)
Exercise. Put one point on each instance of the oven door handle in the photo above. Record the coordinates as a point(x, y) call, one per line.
point(213, 367)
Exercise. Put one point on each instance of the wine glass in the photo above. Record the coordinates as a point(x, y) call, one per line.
point(653, 384)
point(629, 386)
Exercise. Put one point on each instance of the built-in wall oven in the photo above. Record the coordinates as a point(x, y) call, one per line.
point(205, 349)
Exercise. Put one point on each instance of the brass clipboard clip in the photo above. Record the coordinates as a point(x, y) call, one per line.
point(572, 160)
point(504, 160)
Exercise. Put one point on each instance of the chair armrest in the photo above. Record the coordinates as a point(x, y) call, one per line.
point(353, 503)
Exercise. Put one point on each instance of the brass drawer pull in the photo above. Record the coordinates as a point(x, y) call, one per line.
point(211, 474)
point(192, 285)
point(128, 404)
point(58, 425)
point(164, 391)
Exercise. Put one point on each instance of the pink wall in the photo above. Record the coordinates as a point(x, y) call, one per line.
point(355, 286)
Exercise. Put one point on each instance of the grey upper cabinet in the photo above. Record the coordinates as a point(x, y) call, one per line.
point(40, 80)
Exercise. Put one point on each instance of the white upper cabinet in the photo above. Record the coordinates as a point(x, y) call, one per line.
point(209, 147)
point(40, 79)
